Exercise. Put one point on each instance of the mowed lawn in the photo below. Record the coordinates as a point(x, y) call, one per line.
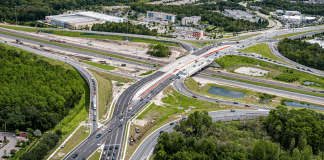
point(262, 49)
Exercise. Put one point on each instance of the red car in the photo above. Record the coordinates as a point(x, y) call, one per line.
point(94, 93)
point(218, 71)
point(194, 96)
point(247, 105)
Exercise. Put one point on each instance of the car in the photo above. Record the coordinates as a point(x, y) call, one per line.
point(314, 91)
point(99, 143)
point(300, 86)
point(121, 116)
point(94, 113)
point(149, 96)
point(194, 96)
point(161, 132)
point(96, 55)
point(147, 101)
point(269, 60)
point(114, 153)
point(267, 107)
point(120, 125)
point(321, 91)
point(232, 110)
point(83, 158)
point(184, 69)
point(117, 146)
point(141, 99)
point(110, 130)
point(98, 135)
point(113, 158)
point(219, 71)
point(235, 102)
point(194, 65)
point(111, 147)
point(75, 155)
point(218, 101)
point(132, 114)
point(94, 118)
point(6, 42)
point(183, 118)
point(247, 105)
point(298, 67)
point(105, 147)
point(172, 123)
point(104, 153)
point(110, 58)
point(121, 120)
point(109, 153)
point(108, 158)
point(265, 58)
point(237, 42)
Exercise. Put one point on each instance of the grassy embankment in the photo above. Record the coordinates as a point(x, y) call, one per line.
point(102, 66)
point(95, 156)
point(97, 36)
point(277, 73)
point(63, 45)
point(104, 90)
point(81, 134)
point(169, 112)
point(262, 49)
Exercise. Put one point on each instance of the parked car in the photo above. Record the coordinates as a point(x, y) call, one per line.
point(235, 102)
point(183, 118)
point(232, 110)
point(172, 123)
point(247, 105)
point(194, 96)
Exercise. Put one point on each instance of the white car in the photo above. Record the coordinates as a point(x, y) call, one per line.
point(267, 107)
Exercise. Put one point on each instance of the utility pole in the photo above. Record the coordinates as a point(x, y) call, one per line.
point(127, 25)
point(16, 14)
point(136, 62)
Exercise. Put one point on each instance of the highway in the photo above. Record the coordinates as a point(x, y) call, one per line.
point(259, 80)
point(145, 149)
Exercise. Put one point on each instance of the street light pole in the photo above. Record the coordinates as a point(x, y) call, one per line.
point(136, 62)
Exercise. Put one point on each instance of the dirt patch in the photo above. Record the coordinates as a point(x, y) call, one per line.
point(140, 122)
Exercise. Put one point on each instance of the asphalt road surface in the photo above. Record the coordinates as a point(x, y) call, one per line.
point(49, 45)
point(264, 81)
point(147, 146)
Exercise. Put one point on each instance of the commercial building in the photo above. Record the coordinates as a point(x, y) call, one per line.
point(292, 13)
point(297, 19)
point(116, 8)
point(188, 32)
point(161, 16)
point(187, 20)
point(81, 19)
point(238, 14)
point(280, 12)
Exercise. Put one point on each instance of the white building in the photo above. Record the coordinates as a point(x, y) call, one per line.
point(280, 12)
point(194, 19)
point(297, 19)
point(238, 14)
point(292, 13)
point(161, 16)
point(81, 19)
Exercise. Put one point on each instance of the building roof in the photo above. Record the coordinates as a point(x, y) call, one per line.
point(162, 13)
point(72, 18)
point(103, 17)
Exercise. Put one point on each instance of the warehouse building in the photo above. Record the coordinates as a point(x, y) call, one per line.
point(81, 19)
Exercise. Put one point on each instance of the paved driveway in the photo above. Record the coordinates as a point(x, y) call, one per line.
point(10, 145)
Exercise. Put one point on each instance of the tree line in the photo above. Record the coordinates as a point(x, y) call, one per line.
point(300, 51)
point(205, 11)
point(277, 136)
point(122, 28)
point(34, 93)
point(37, 10)
point(45, 144)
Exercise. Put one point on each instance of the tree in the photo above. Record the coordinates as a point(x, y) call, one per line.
point(12, 152)
point(17, 132)
point(58, 132)
point(37, 133)
point(264, 150)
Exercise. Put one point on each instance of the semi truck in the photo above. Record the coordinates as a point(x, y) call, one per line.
point(94, 100)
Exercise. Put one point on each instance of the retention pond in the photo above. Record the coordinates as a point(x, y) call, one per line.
point(225, 92)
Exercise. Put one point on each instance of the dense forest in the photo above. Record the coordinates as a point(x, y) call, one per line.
point(286, 135)
point(217, 19)
point(122, 28)
point(33, 93)
point(37, 10)
point(304, 8)
point(311, 55)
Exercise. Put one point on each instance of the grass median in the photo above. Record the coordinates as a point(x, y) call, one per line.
point(266, 85)
point(262, 49)
point(147, 73)
point(276, 72)
point(90, 35)
point(63, 45)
